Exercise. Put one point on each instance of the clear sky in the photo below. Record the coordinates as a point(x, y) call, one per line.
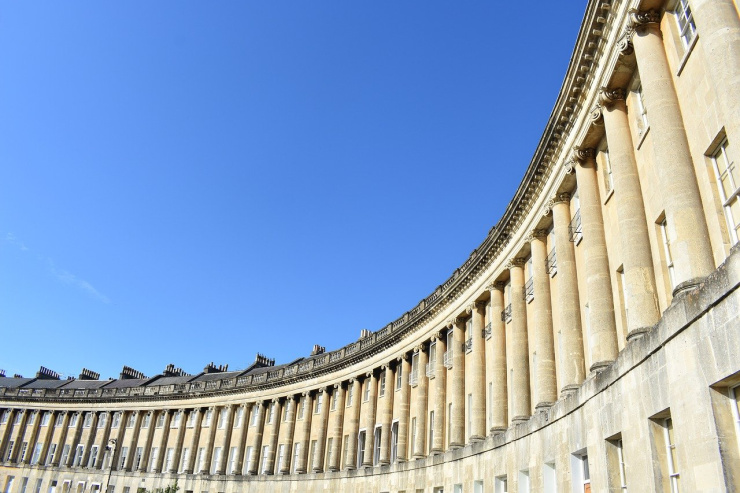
point(186, 182)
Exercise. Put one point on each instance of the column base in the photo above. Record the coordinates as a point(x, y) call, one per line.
point(687, 286)
point(516, 420)
point(569, 390)
point(455, 445)
point(600, 366)
point(543, 406)
point(186, 471)
point(635, 334)
point(477, 438)
point(498, 430)
point(317, 469)
point(436, 451)
point(205, 471)
point(333, 469)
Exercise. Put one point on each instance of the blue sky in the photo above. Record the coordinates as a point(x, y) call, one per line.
point(187, 182)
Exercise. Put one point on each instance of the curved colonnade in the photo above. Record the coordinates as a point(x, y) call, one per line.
point(591, 338)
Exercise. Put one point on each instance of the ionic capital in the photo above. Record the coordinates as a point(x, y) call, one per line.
point(569, 166)
point(607, 97)
point(515, 262)
point(535, 234)
point(561, 198)
point(638, 20)
point(584, 155)
point(476, 305)
point(596, 115)
point(451, 322)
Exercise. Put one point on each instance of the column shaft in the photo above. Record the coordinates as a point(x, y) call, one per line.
point(305, 436)
point(259, 430)
point(272, 441)
point(478, 369)
point(496, 361)
point(544, 371)
point(641, 304)
point(336, 430)
point(195, 440)
point(686, 225)
point(321, 426)
point(354, 424)
point(519, 356)
point(458, 385)
point(178, 443)
point(602, 325)
point(404, 409)
point(440, 390)
point(386, 415)
point(569, 312)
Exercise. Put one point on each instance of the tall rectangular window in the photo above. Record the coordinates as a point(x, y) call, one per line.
point(667, 252)
point(79, 451)
point(88, 420)
point(45, 419)
point(153, 459)
point(207, 417)
point(412, 445)
point(281, 457)
point(232, 460)
point(137, 458)
point(608, 177)
point(399, 376)
point(670, 445)
point(501, 484)
point(334, 399)
point(360, 449)
point(36, 453)
point(394, 441)
point(263, 467)
point(216, 461)
point(253, 419)
point(312, 456)
point(239, 417)
point(366, 390)
point(248, 461)
point(93, 456)
point(222, 418)
point(469, 413)
point(160, 420)
point(382, 383)
point(302, 407)
point(329, 450)
point(168, 459)
point(50, 454)
point(296, 453)
point(686, 25)
point(350, 392)
point(318, 403)
point(201, 460)
point(124, 456)
point(728, 184)
point(642, 120)
point(185, 459)
point(376, 446)
point(271, 413)
point(431, 430)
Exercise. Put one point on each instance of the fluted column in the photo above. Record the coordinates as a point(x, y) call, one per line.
point(718, 23)
point(178, 443)
point(477, 311)
point(195, 439)
point(544, 350)
point(32, 437)
point(686, 224)
point(321, 426)
point(259, 430)
point(519, 346)
point(641, 302)
point(272, 440)
point(336, 430)
point(386, 414)
point(458, 384)
point(241, 440)
point(305, 434)
point(440, 392)
point(569, 312)
point(402, 449)
point(602, 325)
point(353, 424)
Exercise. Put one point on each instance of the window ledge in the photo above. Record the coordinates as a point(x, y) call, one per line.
point(686, 55)
point(609, 195)
point(641, 138)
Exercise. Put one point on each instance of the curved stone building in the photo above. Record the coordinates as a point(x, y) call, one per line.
point(590, 343)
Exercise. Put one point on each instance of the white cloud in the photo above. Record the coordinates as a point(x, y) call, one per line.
point(61, 274)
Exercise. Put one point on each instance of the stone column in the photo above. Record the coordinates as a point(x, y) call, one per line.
point(458, 384)
point(259, 429)
point(90, 439)
point(568, 303)
point(323, 423)
point(241, 440)
point(56, 462)
point(163, 440)
point(143, 465)
point(544, 372)
point(120, 436)
point(602, 325)
point(336, 430)
point(686, 225)
point(641, 302)
point(386, 414)
point(76, 435)
point(496, 360)
point(719, 26)
point(32, 438)
point(195, 439)
point(7, 433)
point(354, 424)
point(272, 441)
point(519, 357)
point(17, 436)
point(226, 442)
point(211, 437)
point(103, 441)
point(305, 434)
point(290, 420)
point(403, 408)
point(422, 396)
point(178, 443)
point(49, 435)
point(477, 311)
point(368, 422)
point(440, 390)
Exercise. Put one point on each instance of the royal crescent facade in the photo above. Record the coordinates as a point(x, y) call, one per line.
point(591, 342)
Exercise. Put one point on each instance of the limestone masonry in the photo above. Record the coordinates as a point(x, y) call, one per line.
point(590, 343)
